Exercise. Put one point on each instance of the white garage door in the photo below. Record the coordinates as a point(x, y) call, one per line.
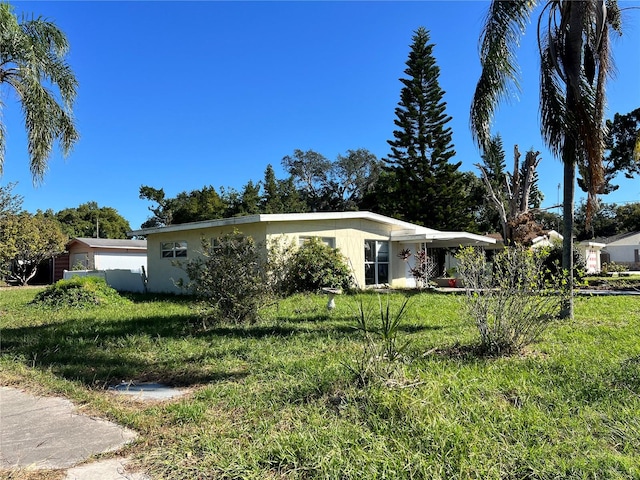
point(119, 261)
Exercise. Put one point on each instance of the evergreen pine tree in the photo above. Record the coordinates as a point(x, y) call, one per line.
point(271, 201)
point(280, 196)
point(493, 161)
point(427, 187)
point(250, 199)
point(495, 164)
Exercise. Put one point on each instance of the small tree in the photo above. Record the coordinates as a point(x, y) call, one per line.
point(231, 277)
point(424, 267)
point(25, 241)
point(512, 300)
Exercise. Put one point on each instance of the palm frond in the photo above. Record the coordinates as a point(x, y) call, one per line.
point(555, 119)
point(575, 65)
point(504, 26)
point(46, 35)
point(32, 62)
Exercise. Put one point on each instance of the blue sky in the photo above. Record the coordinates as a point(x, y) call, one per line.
point(182, 95)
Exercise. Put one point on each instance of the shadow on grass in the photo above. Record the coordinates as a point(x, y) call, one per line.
point(99, 352)
point(264, 331)
point(141, 298)
point(472, 352)
point(103, 353)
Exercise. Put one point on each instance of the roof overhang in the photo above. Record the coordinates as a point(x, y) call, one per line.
point(401, 231)
point(282, 217)
point(593, 244)
point(111, 244)
point(443, 239)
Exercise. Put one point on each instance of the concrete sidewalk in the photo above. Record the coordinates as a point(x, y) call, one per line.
point(48, 433)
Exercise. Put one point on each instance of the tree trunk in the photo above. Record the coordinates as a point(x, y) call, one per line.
point(572, 61)
point(567, 233)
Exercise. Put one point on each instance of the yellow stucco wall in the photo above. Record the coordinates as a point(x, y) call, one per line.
point(162, 274)
point(349, 235)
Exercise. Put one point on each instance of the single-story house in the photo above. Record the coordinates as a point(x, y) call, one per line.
point(369, 241)
point(107, 254)
point(623, 249)
point(589, 250)
point(121, 262)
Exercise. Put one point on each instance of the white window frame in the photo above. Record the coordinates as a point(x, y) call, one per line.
point(173, 249)
point(376, 263)
point(214, 246)
point(328, 241)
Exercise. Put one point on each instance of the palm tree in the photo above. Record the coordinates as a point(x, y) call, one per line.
point(575, 62)
point(32, 60)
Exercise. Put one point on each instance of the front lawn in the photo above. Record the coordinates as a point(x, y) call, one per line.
point(283, 399)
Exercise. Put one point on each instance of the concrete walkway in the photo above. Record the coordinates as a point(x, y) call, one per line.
point(48, 433)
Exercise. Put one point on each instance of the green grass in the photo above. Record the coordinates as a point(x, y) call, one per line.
point(279, 399)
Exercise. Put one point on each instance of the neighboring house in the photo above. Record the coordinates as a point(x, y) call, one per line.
point(122, 263)
point(94, 253)
point(549, 239)
point(623, 249)
point(107, 254)
point(371, 243)
point(590, 251)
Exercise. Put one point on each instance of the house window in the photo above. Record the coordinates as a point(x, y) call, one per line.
point(174, 249)
point(215, 245)
point(328, 241)
point(376, 262)
point(80, 261)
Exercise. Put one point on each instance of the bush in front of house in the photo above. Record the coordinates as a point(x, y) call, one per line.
point(231, 278)
point(511, 301)
point(78, 292)
point(234, 278)
point(316, 265)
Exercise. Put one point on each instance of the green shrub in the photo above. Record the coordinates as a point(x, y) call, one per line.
point(613, 267)
point(231, 278)
point(512, 301)
point(316, 265)
point(552, 263)
point(78, 292)
point(281, 251)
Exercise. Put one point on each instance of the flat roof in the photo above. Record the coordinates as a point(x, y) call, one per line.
point(115, 243)
point(407, 231)
point(281, 217)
